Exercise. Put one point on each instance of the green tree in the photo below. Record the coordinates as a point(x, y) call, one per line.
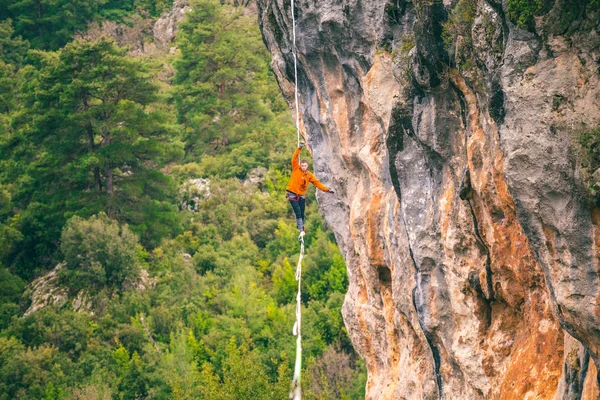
point(98, 253)
point(132, 381)
point(325, 270)
point(284, 282)
point(13, 50)
point(67, 331)
point(220, 73)
point(27, 372)
point(521, 12)
point(11, 288)
point(50, 24)
point(117, 10)
point(242, 378)
point(92, 101)
point(89, 140)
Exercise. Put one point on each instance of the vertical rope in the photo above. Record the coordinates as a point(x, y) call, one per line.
point(296, 392)
point(294, 52)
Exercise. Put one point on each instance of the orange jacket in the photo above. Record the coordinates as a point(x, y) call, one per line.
point(299, 180)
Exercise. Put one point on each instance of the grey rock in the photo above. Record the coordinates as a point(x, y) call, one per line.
point(48, 291)
point(192, 192)
point(474, 296)
point(165, 28)
point(256, 177)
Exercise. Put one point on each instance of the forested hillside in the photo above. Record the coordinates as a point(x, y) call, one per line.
point(144, 185)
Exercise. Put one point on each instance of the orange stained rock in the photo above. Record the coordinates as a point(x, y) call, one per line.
point(596, 226)
point(374, 236)
point(393, 340)
point(534, 367)
point(536, 364)
point(590, 384)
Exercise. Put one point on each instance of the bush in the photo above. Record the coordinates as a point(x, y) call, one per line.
point(589, 140)
point(11, 287)
point(31, 373)
point(590, 143)
point(459, 23)
point(334, 375)
point(521, 12)
point(98, 253)
point(68, 331)
point(456, 34)
point(243, 378)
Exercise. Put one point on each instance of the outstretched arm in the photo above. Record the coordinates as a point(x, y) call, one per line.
point(312, 179)
point(295, 157)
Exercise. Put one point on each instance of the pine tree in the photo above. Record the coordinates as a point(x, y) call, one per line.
point(97, 144)
point(221, 72)
point(50, 24)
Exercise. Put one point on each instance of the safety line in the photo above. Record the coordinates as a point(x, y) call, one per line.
point(294, 51)
point(296, 393)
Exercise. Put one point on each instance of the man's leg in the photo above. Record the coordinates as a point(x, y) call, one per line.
point(302, 204)
point(298, 213)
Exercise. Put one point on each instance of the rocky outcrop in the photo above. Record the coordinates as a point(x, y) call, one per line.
point(192, 192)
point(450, 135)
point(47, 290)
point(165, 28)
point(256, 177)
point(141, 34)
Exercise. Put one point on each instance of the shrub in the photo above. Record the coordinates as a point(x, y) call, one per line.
point(458, 40)
point(521, 12)
point(98, 253)
point(589, 140)
point(459, 23)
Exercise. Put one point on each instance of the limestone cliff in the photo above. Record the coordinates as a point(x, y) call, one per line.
point(463, 213)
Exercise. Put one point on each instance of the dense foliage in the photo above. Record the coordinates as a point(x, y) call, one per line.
point(181, 296)
point(521, 12)
point(589, 157)
point(50, 24)
point(98, 253)
point(457, 35)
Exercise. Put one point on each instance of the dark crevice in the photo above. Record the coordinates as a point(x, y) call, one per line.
point(574, 374)
point(496, 101)
point(466, 193)
point(400, 124)
point(436, 158)
point(463, 107)
point(488, 268)
point(394, 11)
point(395, 141)
point(385, 275)
point(428, 34)
point(584, 370)
point(498, 9)
point(435, 353)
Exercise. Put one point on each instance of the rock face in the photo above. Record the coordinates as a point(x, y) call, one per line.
point(256, 177)
point(165, 27)
point(192, 192)
point(467, 228)
point(47, 290)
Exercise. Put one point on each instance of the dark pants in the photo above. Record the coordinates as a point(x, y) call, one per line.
point(298, 207)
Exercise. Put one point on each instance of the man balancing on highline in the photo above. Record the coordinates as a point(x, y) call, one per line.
point(296, 189)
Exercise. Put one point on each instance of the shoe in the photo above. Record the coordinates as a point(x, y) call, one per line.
point(301, 236)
